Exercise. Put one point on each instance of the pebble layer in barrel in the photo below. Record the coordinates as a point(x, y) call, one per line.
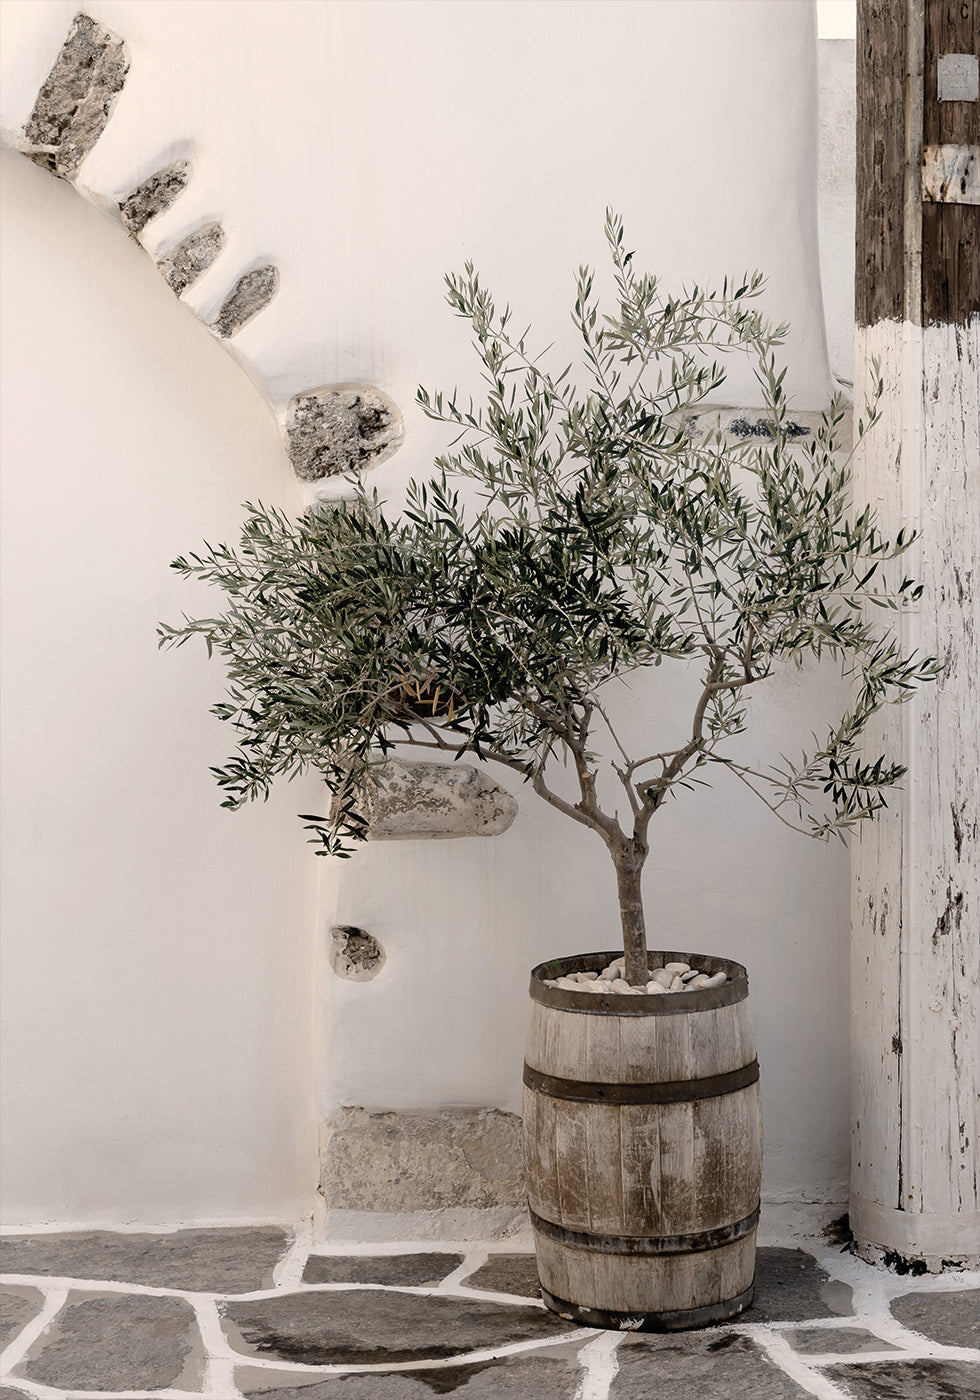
point(643, 1147)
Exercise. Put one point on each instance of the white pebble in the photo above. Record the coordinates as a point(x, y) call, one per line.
point(621, 986)
point(662, 976)
point(618, 962)
point(610, 974)
point(677, 967)
point(586, 976)
point(691, 973)
point(696, 983)
point(717, 980)
point(655, 988)
point(676, 985)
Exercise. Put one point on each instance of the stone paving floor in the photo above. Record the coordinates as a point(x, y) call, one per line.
point(232, 1314)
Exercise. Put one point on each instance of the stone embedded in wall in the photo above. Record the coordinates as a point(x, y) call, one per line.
point(748, 423)
point(76, 98)
point(430, 801)
point(154, 195)
point(355, 955)
point(341, 428)
point(469, 1157)
point(191, 257)
point(250, 295)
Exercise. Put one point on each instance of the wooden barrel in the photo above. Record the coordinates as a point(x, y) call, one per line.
point(643, 1148)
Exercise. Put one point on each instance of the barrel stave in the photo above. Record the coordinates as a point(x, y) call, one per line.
point(661, 1173)
point(622, 1284)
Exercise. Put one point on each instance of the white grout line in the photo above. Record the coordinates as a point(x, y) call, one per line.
point(84, 1227)
point(474, 1259)
point(288, 1273)
point(219, 1372)
point(15, 1352)
point(599, 1362)
point(782, 1355)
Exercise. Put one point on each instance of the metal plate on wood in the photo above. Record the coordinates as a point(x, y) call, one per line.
point(951, 174)
point(958, 77)
point(669, 1091)
point(646, 1245)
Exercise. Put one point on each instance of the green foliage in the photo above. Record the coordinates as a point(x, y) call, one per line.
point(603, 535)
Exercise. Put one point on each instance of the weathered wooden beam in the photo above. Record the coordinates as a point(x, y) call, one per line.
point(950, 229)
point(915, 966)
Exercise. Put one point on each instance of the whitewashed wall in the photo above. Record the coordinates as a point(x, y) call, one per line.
point(365, 148)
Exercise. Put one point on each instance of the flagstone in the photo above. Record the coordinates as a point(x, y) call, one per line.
point(404, 1270)
point(521, 1377)
point(196, 1261)
point(950, 1318)
point(17, 1306)
point(507, 1273)
point(790, 1286)
point(118, 1341)
point(836, 1341)
point(368, 1326)
point(712, 1365)
point(918, 1379)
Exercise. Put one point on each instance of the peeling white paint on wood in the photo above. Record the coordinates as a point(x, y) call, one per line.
point(915, 879)
point(951, 174)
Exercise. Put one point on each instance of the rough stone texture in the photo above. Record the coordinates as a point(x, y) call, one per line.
point(537, 1377)
point(829, 1341)
point(154, 195)
point(8, 1393)
point(750, 423)
point(415, 801)
point(341, 428)
point(507, 1273)
point(370, 1327)
point(191, 257)
point(950, 1318)
point(250, 295)
point(791, 1287)
point(394, 1270)
point(219, 1261)
point(76, 98)
point(711, 1365)
point(422, 1161)
point(909, 1380)
point(17, 1306)
point(355, 955)
point(118, 1341)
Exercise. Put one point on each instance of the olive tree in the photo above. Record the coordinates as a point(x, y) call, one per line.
point(603, 533)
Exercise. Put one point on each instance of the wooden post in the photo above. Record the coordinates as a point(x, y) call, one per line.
point(915, 966)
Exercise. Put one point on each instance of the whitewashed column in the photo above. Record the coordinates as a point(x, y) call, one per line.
point(915, 967)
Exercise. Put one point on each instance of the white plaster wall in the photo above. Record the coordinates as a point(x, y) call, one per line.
point(836, 59)
point(156, 954)
point(367, 147)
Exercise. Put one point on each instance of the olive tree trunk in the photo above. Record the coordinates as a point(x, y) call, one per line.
point(629, 872)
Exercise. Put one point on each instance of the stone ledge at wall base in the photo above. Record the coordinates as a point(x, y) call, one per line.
point(444, 1174)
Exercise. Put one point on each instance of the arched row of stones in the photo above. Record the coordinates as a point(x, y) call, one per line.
point(328, 431)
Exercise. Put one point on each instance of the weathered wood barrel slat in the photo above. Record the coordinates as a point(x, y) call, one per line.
point(643, 1148)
